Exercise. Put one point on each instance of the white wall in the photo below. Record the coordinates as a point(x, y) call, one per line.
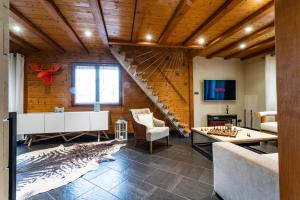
point(270, 73)
point(254, 90)
point(216, 68)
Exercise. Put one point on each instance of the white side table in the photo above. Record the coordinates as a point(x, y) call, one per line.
point(121, 130)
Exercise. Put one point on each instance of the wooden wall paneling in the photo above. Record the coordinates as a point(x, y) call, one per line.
point(191, 87)
point(18, 16)
point(98, 17)
point(58, 16)
point(257, 15)
point(224, 9)
point(266, 29)
point(252, 48)
point(288, 81)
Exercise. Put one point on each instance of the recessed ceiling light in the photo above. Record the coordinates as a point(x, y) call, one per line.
point(201, 41)
point(242, 46)
point(248, 29)
point(88, 33)
point(17, 28)
point(148, 37)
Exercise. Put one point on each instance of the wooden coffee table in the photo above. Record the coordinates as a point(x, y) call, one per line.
point(202, 141)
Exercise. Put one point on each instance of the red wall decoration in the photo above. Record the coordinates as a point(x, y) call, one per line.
point(46, 74)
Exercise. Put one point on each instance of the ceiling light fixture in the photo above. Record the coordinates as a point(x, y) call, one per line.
point(17, 28)
point(148, 37)
point(242, 46)
point(88, 33)
point(201, 41)
point(248, 29)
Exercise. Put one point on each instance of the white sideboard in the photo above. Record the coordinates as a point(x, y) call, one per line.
point(43, 123)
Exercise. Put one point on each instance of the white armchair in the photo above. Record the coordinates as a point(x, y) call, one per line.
point(268, 121)
point(146, 127)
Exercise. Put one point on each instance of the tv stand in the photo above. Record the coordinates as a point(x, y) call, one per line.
point(221, 119)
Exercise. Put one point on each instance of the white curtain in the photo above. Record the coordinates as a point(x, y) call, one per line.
point(16, 83)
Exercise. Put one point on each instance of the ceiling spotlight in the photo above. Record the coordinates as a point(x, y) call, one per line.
point(248, 29)
point(201, 41)
point(17, 28)
point(148, 37)
point(242, 46)
point(88, 33)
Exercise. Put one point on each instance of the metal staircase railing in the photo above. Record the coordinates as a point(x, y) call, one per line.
point(131, 69)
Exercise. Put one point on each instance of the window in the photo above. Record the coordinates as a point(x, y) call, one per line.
point(96, 83)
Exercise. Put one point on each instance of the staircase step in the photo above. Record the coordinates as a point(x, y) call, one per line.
point(130, 60)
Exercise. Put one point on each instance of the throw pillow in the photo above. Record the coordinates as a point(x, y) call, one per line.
point(146, 119)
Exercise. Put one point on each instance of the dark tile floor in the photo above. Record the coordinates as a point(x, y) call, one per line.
point(174, 172)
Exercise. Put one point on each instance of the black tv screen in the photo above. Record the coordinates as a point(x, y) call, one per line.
point(219, 90)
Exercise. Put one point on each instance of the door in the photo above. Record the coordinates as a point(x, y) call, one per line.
point(4, 125)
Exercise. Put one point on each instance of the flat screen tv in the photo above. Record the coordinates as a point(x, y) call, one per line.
point(219, 90)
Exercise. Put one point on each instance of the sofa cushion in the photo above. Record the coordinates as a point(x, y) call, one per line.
point(146, 119)
point(271, 156)
point(269, 126)
point(156, 133)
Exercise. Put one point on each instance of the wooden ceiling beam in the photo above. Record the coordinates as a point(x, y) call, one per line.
point(224, 9)
point(182, 8)
point(99, 19)
point(139, 12)
point(57, 15)
point(270, 50)
point(18, 40)
point(149, 44)
point(259, 14)
point(251, 48)
point(20, 18)
point(260, 32)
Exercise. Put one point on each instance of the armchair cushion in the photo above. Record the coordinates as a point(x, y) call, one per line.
point(269, 126)
point(146, 119)
point(158, 123)
point(157, 133)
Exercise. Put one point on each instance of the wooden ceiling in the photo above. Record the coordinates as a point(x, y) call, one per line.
point(60, 25)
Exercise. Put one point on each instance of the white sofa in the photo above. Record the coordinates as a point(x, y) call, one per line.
point(268, 121)
point(240, 174)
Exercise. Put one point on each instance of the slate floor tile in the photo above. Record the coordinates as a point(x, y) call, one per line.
point(118, 165)
point(189, 170)
point(109, 179)
point(42, 196)
point(132, 189)
point(207, 177)
point(139, 171)
point(90, 175)
point(160, 194)
point(163, 179)
point(71, 190)
point(96, 194)
point(192, 189)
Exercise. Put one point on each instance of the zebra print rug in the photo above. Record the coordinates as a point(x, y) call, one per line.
point(43, 170)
